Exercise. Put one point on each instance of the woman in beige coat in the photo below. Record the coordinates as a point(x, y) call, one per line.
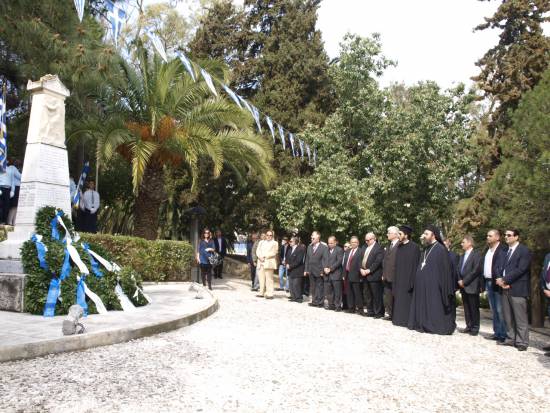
point(267, 264)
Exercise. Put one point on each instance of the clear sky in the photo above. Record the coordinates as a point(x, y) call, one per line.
point(430, 39)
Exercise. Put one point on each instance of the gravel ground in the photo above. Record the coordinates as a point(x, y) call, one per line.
point(256, 355)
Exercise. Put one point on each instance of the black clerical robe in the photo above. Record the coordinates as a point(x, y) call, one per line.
point(407, 257)
point(432, 305)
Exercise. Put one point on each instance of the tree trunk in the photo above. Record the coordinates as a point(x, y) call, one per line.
point(147, 204)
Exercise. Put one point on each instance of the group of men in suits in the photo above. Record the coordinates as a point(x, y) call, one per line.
point(416, 288)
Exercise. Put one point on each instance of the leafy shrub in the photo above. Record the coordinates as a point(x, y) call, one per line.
point(38, 279)
point(153, 260)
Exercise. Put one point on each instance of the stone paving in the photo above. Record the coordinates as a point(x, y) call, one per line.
point(255, 355)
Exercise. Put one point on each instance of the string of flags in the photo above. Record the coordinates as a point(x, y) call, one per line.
point(116, 17)
point(3, 131)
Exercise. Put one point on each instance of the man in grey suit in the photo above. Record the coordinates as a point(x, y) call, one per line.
point(333, 277)
point(388, 269)
point(470, 283)
point(315, 257)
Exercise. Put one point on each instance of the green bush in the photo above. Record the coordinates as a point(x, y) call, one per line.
point(38, 279)
point(152, 260)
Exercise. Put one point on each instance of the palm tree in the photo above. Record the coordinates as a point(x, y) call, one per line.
point(155, 115)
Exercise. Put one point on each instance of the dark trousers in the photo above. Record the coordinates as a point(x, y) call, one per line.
point(5, 201)
point(333, 292)
point(206, 275)
point(296, 288)
point(252, 273)
point(471, 310)
point(515, 315)
point(305, 286)
point(354, 296)
point(317, 289)
point(89, 221)
point(388, 297)
point(376, 291)
point(218, 270)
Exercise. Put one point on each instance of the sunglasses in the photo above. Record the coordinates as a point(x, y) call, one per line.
point(509, 235)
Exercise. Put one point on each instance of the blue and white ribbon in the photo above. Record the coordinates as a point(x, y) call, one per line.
point(100, 307)
point(93, 262)
point(282, 135)
point(187, 64)
point(246, 105)
point(233, 96)
point(81, 294)
point(79, 4)
point(270, 126)
point(125, 302)
point(53, 226)
point(41, 250)
point(116, 16)
point(208, 79)
point(66, 268)
point(157, 43)
point(52, 297)
point(291, 137)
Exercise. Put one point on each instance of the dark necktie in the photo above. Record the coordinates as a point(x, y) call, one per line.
point(351, 254)
point(508, 254)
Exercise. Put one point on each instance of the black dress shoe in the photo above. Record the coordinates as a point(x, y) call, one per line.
point(546, 348)
point(474, 333)
point(370, 315)
point(547, 354)
point(505, 343)
point(493, 337)
point(269, 298)
point(464, 330)
point(349, 311)
point(521, 348)
point(362, 313)
point(312, 305)
point(299, 301)
point(377, 316)
point(259, 295)
point(387, 318)
point(338, 309)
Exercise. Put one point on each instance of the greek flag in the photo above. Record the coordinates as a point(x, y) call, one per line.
point(282, 135)
point(270, 125)
point(79, 4)
point(233, 96)
point(157, 43)
point(3, 133)
point(209, 82)
point(116, 16)
point(187, 63)
point(301, 148)
point(81, 180)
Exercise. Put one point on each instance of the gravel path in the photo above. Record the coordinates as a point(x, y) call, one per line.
point(256, 355)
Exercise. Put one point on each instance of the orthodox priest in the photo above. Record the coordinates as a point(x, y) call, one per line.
point(407, 257)
point(432, 305)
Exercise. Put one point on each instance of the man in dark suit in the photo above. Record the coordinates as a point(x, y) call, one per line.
point(494, 258)
point(315, 257)
point(515, 291)
point(469, 281)
point(333, 278)
point(220, 244)
point(352, 266)
point(545, 286)
point(371, 271)
point(388, 269)
point(295, 269)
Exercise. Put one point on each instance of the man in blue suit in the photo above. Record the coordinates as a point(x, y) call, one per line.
point(515, 291)
point(545, 285)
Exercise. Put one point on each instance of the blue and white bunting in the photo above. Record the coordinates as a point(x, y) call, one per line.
point(81, 294)
point(270, 126)
point(3, 133)
point(301, 148)
point(233, 96)
point(116, 17)
point(79, 4)
point(282, 136)
point(157, 43)
point(291, 137)
point(66, 268)
point(208, 79)
point(81, 180)
point(256, 116)
point(246, 105)
point(308, 154)
point(187, 64)
point(93, 263)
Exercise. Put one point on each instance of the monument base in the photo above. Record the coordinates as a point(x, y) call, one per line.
point(12, 286)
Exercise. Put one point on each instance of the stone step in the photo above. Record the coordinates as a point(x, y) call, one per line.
point(11, 266)
point(12, 292)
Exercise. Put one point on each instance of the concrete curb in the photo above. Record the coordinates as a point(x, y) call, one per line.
point(102, 338)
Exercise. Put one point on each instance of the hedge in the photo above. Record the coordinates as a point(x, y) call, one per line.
point(158, 260)
point(38, 279)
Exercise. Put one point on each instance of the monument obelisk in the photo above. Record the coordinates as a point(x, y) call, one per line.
point(44, 181)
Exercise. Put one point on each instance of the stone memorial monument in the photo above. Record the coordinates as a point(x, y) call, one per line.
point(44, 181)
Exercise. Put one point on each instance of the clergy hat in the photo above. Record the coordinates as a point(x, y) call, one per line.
point(436, 232)
point(406, 229)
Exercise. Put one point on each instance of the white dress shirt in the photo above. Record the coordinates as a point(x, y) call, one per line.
point(90, 200)
point(488, 263)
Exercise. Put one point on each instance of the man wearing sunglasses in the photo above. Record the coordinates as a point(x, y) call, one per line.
point(514, 282)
